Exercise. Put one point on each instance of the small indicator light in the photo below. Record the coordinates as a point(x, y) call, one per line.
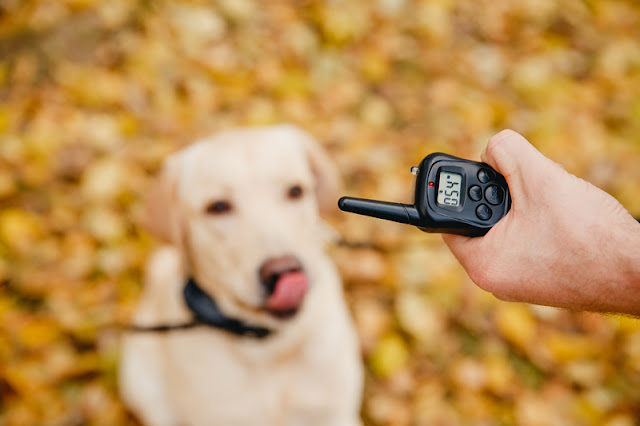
point(431, 183)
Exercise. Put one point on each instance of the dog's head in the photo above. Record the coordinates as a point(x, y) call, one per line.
point(243, 208)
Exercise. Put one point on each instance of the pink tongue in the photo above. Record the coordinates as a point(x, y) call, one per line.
point(289, 292)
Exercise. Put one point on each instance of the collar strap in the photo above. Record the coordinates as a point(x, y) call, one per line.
point(163, 328)
point(206, 311)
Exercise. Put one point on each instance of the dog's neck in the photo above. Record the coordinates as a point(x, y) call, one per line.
point(206, 311)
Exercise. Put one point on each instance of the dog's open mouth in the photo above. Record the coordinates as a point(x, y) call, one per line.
point(287, 295)
point(285, 285)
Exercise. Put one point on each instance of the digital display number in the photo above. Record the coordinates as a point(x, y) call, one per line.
point(449, 189)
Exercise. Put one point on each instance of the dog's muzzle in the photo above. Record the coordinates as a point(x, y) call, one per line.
point(285, 285)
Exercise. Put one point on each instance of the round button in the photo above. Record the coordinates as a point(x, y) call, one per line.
point(475, 193)
point(494, 194)
point(483, 212)
point(485, 175)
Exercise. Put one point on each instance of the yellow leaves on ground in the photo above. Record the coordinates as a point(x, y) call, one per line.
point(107, 88)
point(419, 318)
point(390, 355)
point(35, 334)
point(19, 229)
point(95, 94)
point(566, 347)
point(517, 324)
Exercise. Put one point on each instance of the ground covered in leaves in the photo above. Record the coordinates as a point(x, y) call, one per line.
point(94, 94)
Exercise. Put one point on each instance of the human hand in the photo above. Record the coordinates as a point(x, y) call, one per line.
point(564, 242)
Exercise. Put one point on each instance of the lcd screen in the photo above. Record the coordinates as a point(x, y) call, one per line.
point(449, 188)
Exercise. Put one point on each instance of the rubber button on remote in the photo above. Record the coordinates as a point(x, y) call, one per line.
point(483, 212)
point(494, 194)
point(475, 193)
point(485, 175)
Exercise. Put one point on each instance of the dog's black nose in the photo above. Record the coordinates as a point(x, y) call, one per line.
point(271, 270)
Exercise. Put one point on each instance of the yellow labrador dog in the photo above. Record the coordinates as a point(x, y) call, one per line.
point(242, 319)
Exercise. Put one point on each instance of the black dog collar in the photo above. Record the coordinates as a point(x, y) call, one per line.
point(206, 312)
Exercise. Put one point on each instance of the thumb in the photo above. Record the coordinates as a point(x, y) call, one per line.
point(510, 154)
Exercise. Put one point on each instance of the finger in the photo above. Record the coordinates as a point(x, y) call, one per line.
point(462, 247)
point(472, 254)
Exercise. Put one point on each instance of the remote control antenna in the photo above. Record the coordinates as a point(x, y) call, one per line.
point(396, 212)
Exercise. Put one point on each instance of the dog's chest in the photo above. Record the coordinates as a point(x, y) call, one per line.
point(238, 384)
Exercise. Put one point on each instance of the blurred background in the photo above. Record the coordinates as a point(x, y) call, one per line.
point(93, 95)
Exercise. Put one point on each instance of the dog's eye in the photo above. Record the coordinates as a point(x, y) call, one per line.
point(219, 207)
point(295, 192)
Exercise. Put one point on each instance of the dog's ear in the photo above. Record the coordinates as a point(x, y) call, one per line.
point(326, 176)
point(161, 204)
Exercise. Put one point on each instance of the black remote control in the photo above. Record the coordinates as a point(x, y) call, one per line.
point(452, 196)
